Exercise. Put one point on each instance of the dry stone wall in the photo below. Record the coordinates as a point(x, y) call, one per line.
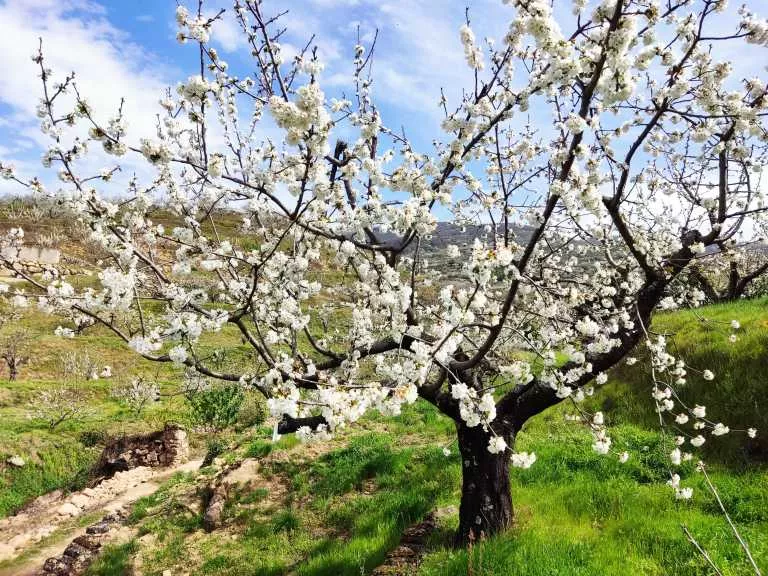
point(167, 447)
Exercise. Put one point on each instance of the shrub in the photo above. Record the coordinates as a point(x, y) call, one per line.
point(216, 407)
point(253, 411)
point(215, 447)
point(91, 438)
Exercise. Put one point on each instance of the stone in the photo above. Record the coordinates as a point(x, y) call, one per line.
point(80, 500)
point(89, 541)
point(100, 528)
point(16, 461)
point(51, 565)
point(165, 447)
point(69, 509)
point(19, 540)
point(6, 551)
point(74, 550)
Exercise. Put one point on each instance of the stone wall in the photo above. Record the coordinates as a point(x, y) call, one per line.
point(36, 255)
point(167, 447)
point(33, 259)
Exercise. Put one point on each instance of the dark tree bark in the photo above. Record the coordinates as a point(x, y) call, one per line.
point(486, 500)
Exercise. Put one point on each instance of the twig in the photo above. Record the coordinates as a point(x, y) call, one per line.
point(701, 550)
point(730, 522)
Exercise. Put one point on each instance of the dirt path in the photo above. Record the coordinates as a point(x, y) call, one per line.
point(404, 560)
point(47, 526)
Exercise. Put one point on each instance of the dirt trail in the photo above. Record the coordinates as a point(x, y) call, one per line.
point(45, 527)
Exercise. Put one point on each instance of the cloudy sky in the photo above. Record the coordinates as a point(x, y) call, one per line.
point(128, 49)
point(121, 48)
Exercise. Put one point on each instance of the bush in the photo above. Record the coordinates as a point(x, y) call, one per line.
point(214, 448)
point(215, 408)
point(253, 411)
point(91, 438)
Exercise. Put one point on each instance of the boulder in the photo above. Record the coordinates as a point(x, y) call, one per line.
point(16, 461)
point(69, 509)
point(80, 500)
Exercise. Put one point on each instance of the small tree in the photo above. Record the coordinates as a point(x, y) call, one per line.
point(67, 400)
point(137, 395)
point(59, 404)
point(76, 367)
point(589, 232)
point(15, 350)
point(732, 272)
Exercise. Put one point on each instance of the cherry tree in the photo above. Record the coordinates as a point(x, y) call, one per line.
point(733, 267)
point(556, 147)
point(734, 271)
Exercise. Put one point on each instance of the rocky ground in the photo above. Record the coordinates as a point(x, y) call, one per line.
point(46, 527)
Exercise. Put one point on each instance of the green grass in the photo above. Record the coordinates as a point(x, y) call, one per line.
point(577, 513)
point(52, 462)
point(738, 396)
point(114, 560)
point(61, 458)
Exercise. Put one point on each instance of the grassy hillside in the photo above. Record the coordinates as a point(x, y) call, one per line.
point(338, 509)
point(738, 396)
point(338, 513)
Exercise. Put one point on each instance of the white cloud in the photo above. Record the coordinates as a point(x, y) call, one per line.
point(76, 37)
point(228, 34)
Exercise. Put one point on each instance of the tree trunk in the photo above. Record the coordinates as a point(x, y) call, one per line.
point(486, 502)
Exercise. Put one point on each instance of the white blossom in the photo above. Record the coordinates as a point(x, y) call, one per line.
point(496, 445)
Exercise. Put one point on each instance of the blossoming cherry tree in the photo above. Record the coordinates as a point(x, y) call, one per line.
point(556, 146)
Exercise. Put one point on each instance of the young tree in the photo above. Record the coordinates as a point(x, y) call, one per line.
point(15, 350)
point(66, 400)
point(137, 395)
point(588, 237)
point(59, 404)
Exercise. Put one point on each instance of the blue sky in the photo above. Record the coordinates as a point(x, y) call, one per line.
point(128, 48)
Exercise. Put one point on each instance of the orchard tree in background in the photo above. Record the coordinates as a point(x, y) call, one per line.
point(734, 271)
point(736, 264)
point(556, 145)
point(15, 349)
